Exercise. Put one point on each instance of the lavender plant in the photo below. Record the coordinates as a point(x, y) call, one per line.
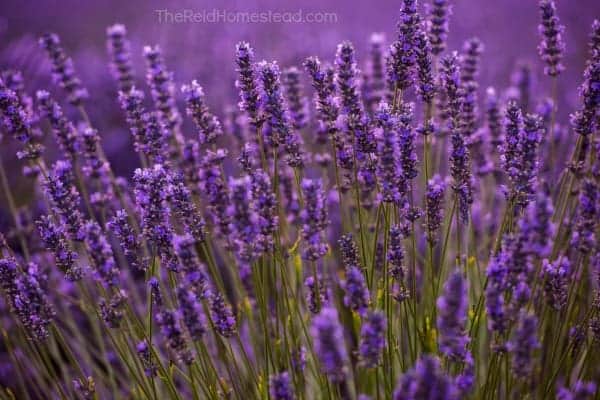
point(409, 235)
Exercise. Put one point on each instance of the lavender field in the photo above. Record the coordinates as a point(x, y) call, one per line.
point(321, 200)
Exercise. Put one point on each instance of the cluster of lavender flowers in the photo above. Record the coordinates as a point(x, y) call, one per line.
point(409, 236)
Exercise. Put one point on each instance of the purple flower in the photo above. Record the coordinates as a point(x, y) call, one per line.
point(180, 198)
point(326, 106)
point(208, 125)
point(513, 127)
point(277, 115)
point(434, 199)
point(54, 239)
point(119, 50)
point(171, 330)
point(372, 339)
point(388, 165)
point(452, 317)
point(162, 87)
point(295, 98)
point(145, 355)
point(314, 219)
point(64, 131)
point(537, 226)
point(522, 345)
point(584, 235)
point(101, 254)
point(356, 292)
point(402, 55)
point(155, 138)
point(128, 240)
point(17, 122)
point(317, 294)
point(131, 102)
point(112, 311)
point(426, 380)
point(265, 206)
point(529, 141)
point(425, 81)
point(155, 293)
point(556, 282)
point(494, 293)
point(63, 71)
point(349, 250)
point(351, 108)
point(191, 312)
point(280, 387)
point(580, 391)
point(28, 296)
point(552, 46)
point(328, 339)
point(151, 186)
point(244, 220)
point(438, 13)
point(215, 189)
point(395, 254)
point(247, 83)
point(60, 188)
point(374, 85)
point(222, 316)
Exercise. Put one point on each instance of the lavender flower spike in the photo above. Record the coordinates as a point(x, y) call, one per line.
point(314, 219)
point(54, 239)
point(208, 125)
point(63, 71)
point(372, 339)
point(426, 380)
point(280, 387)
point(434, 198)
point(523, 344)
point(247, 83)
point(118, 47)
point(452, 308)
point(328, 338)
point(439, 11)
point(277, 114)
point(552, 45)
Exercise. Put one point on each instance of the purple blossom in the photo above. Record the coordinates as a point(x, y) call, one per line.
point(60, 189)
point(131, 102)
point(101, 254)
point(129, 241)
point(278, 116)
point(119, 50)
point(522, 345)
point(328, 339)
point(63, 71)
point(54, 239)
point(403, 53)
point(209, 127)
point(426, 380)
point(112, 311)
point(434, 198)
point(64, 131)
point(298, 107)
point(222, 316)
point(314, 219)
point(280, 387)
point(556, 282)
point(357, 296)
point(191, 312)
point(170, 327)
point(247, 83)
point(145, 355)
point(438, 13)
point(372, 339)
point(151, 191)
point(452, 318)
point(552, 46)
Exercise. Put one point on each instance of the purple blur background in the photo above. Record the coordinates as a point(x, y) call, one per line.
point(204, 51)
